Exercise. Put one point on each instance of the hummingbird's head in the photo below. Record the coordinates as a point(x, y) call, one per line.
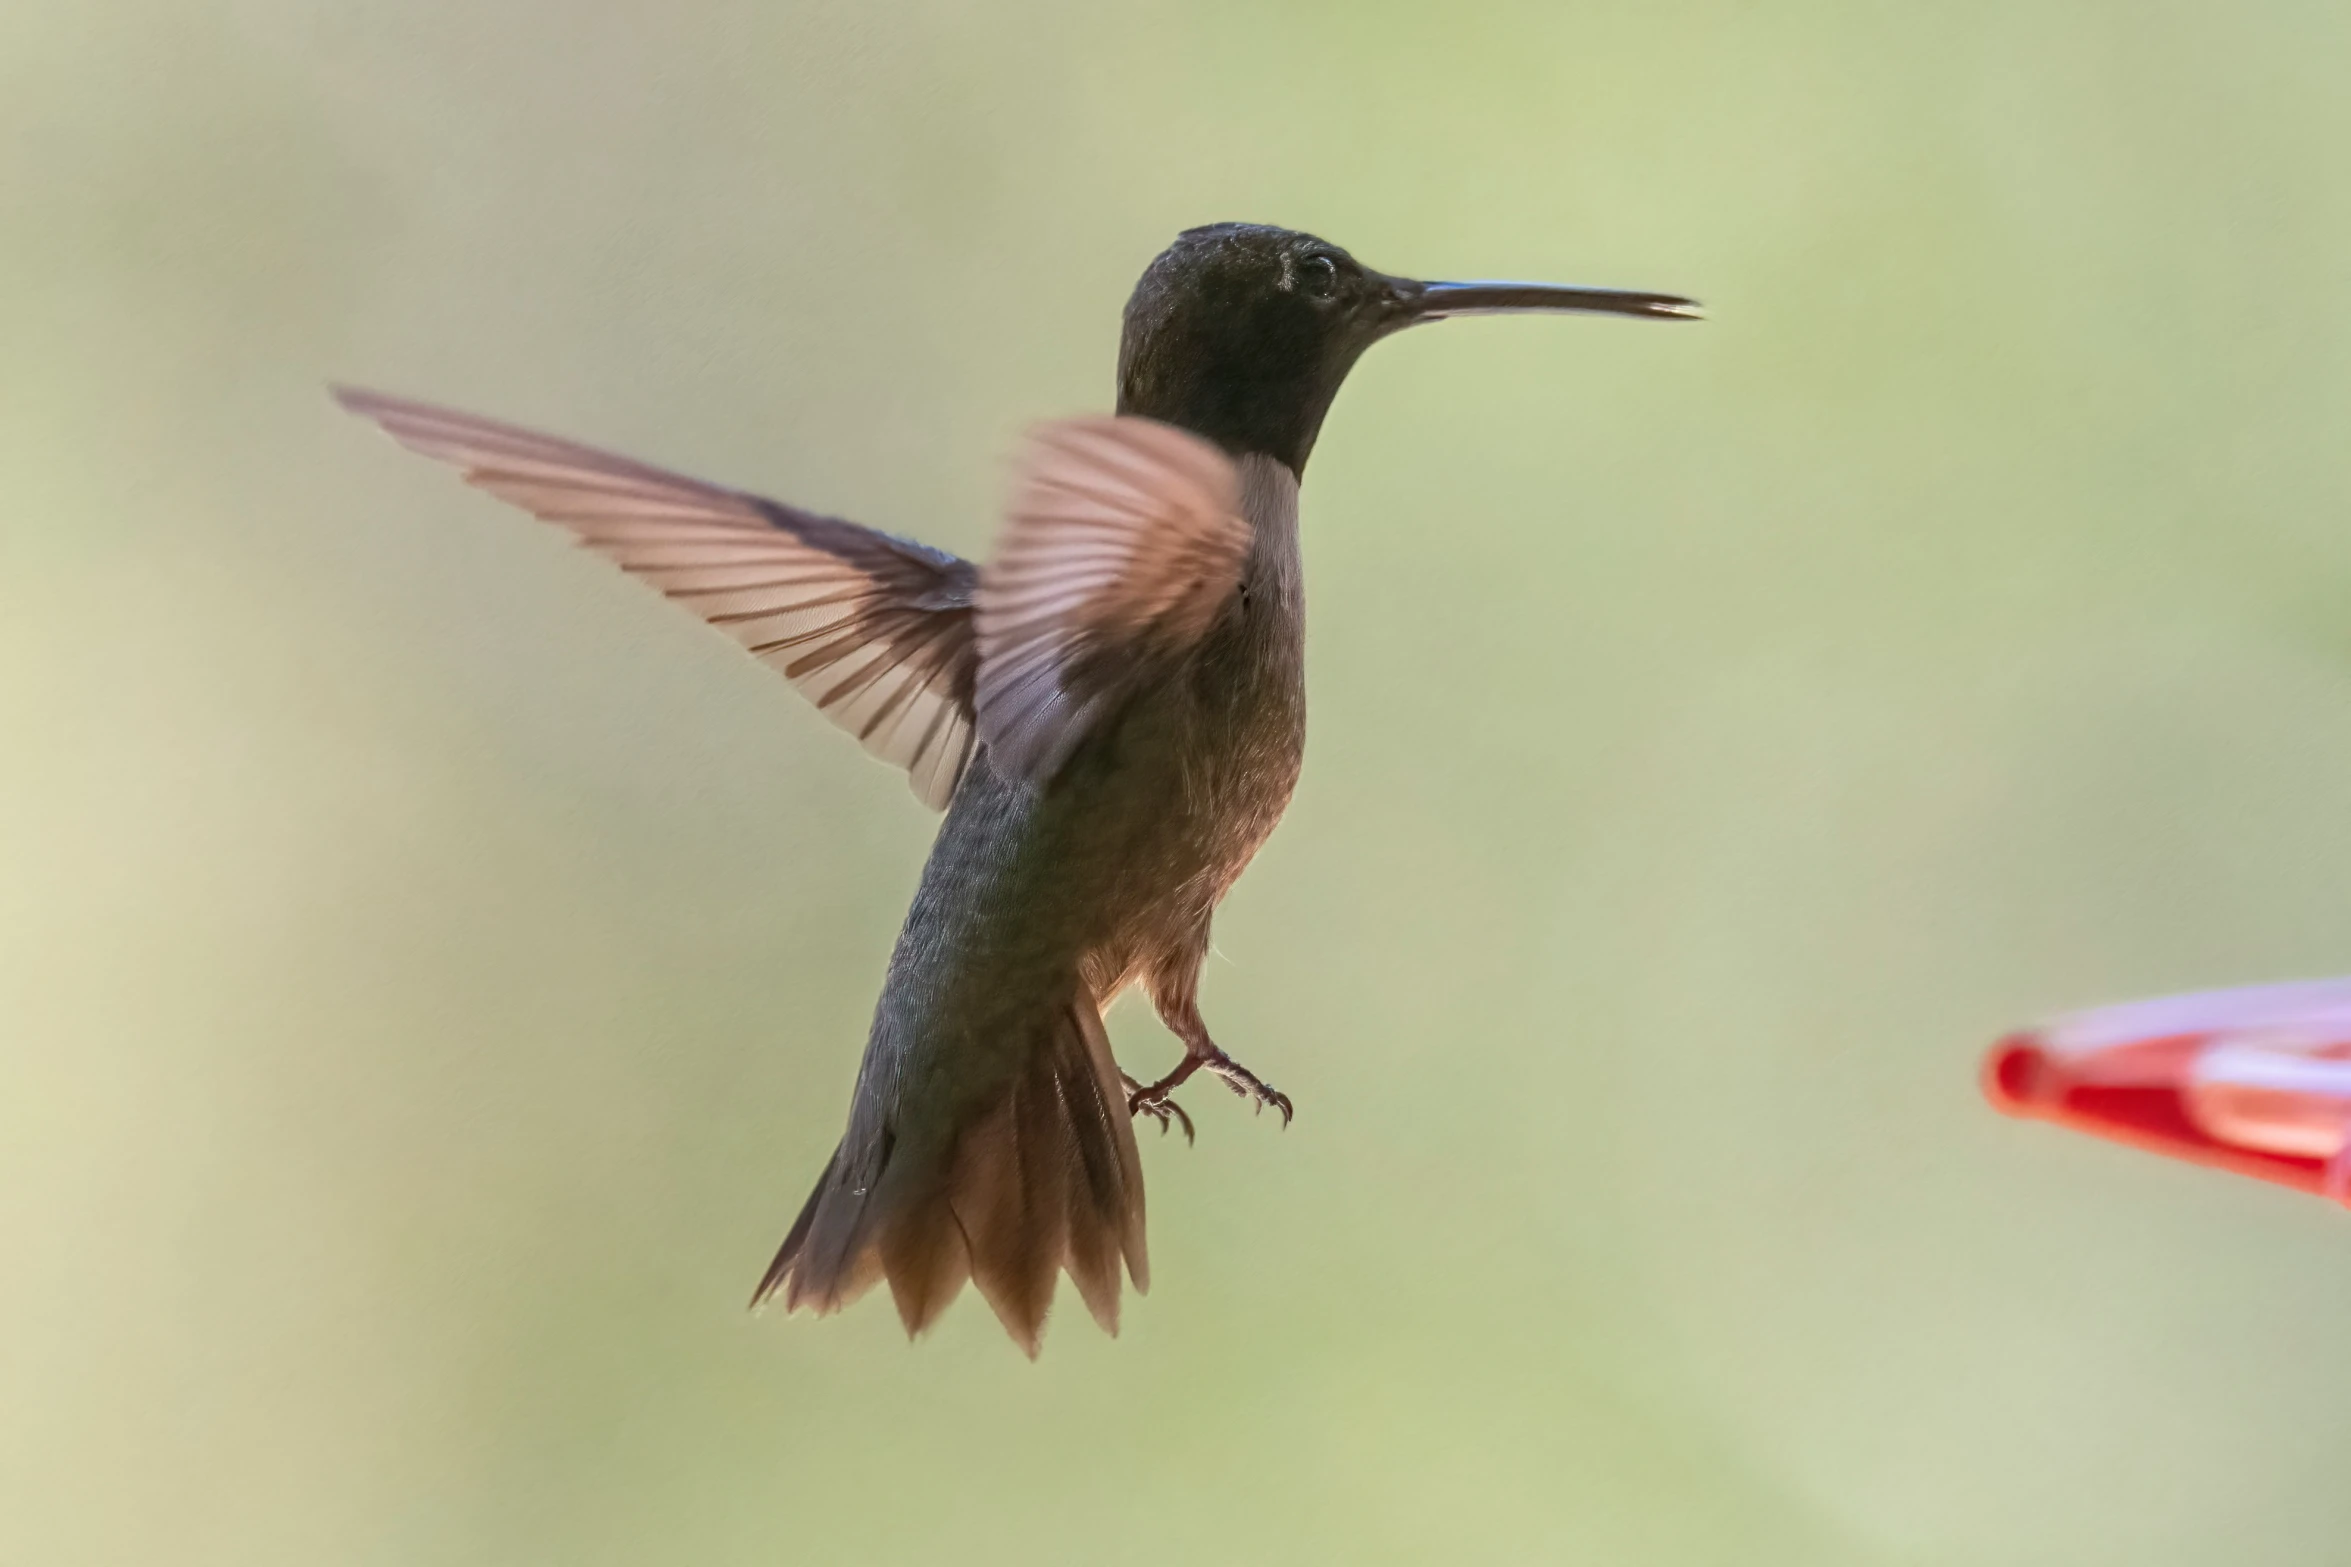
point(1243, 333)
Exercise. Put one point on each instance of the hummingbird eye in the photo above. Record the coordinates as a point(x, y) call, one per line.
point(1317, 277)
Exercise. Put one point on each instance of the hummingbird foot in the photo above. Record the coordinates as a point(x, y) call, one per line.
point(1155, 1103)
point(1249, 1085)
point(1152, 1101)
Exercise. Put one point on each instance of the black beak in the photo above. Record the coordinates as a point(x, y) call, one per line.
point(1437, 301)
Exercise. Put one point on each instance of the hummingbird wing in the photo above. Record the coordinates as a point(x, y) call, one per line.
point(875, 629)
point(1123, 543)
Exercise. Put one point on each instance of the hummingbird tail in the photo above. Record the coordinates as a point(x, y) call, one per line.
point(1042, 1180)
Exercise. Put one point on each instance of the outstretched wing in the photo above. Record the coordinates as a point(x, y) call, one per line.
point(1124, 543)
point(876, 629)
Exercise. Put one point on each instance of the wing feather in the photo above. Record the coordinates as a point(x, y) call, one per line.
point(1123, 543)
point(807, 595)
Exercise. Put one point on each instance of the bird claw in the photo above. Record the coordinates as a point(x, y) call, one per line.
point(1251, 1087)
point(1155, 1103)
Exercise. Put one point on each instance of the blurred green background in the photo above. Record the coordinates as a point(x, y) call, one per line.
point(432, 970)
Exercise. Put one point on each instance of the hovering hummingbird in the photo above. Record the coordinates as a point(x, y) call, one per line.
point(1111, 711)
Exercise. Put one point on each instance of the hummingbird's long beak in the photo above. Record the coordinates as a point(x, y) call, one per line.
point(1438, 301)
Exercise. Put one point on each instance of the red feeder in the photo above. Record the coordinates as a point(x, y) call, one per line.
point(2256, 1080)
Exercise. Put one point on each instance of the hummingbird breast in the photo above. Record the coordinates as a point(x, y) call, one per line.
point(1112, 870)
point(1168, 809)
point(1206, 766)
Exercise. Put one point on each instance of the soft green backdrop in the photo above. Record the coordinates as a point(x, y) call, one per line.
point(432, 970)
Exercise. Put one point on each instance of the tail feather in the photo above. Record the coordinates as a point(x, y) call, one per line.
point(1095, 1106)
point(1014, 1207)
point(927, 1260)
point(823, 1263)
point(787, 1275)
point(1044, 1179)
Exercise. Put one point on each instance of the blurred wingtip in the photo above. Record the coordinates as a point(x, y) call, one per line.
point(356, 399)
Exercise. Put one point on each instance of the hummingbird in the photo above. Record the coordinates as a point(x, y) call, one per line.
point(1111, 711)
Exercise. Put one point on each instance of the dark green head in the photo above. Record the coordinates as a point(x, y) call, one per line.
point(1242, 332)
